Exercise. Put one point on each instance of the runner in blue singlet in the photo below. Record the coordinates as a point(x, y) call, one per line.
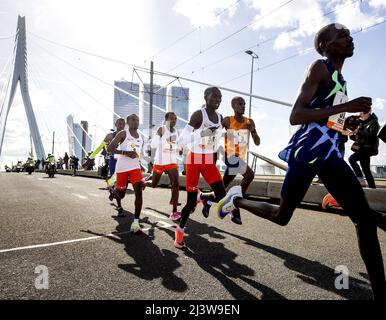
point(319, 109)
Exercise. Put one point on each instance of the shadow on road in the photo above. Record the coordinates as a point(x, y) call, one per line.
point(149, 261)
point(220, 262)
point(313, 272)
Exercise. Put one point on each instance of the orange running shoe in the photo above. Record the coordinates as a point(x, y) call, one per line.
point(179, 238)
point(329, 202)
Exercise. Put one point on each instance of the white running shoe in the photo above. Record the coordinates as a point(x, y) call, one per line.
point(225, 205)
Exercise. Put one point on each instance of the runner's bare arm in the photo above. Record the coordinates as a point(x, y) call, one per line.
point(252, 129)
point(119, 138)
point(108, 138)
point(316, 76)
point(226, 123)
point(187, 135)
point(196, 119)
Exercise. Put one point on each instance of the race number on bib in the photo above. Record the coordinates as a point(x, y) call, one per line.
point(336, 121)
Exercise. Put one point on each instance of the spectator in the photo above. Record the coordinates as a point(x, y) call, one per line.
point(90, 163)
point(365, 146)
point(65, 160)
point(75, 162)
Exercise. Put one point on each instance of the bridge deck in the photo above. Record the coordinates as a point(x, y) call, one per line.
point(62, 223)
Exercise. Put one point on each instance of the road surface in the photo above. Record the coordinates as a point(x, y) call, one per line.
point(60, 238)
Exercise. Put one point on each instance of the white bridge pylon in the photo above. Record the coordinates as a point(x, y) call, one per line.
point(20, 76)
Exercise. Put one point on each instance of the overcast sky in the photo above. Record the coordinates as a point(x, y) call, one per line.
point(198, 39)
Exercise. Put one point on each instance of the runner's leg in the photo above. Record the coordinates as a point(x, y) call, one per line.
point(296, 183)
point(174, 180)
point(346, 189)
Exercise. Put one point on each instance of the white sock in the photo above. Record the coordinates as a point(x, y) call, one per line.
point(181, 229)
point(136, 220)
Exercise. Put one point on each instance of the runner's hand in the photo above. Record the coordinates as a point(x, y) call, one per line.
point(361, 104)
point(130, 154)
point(209, 131)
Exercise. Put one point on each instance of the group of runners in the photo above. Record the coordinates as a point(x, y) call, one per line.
point(319, 109)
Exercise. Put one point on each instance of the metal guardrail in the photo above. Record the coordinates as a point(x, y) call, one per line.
point(268, 160)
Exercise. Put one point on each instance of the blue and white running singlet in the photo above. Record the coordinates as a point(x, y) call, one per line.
point(315, 142)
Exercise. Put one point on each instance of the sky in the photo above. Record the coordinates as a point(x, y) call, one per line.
point(196, 39)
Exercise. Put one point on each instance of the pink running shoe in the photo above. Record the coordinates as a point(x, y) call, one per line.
point(175, 215)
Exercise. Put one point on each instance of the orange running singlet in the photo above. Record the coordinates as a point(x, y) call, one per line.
point(236, 139)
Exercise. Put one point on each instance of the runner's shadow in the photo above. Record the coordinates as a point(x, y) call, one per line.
point(218, 261)
point(213, 256)
point(202, 228)
point(125, 212)
point(150, 262)
point(313, 272)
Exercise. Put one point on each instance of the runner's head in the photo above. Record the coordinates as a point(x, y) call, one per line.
point(170, 119)
point(212, 96)
point(133, 121)
point(120, 124)
point(238, 105)
point(334, 40)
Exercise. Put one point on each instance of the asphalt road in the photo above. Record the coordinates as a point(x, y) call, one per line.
point(68, 226)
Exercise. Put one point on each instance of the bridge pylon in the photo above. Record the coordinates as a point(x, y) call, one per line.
point(20, 76)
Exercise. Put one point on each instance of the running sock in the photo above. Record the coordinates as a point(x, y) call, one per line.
point(136, 220)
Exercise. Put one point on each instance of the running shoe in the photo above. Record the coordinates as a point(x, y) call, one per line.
point(225, 205)
point(111, 195)
point(179, 239)
point(206, 205)
point(175, 215)
point(329, 202)
point(120, 212)
point(236, 218)
point(135, 228)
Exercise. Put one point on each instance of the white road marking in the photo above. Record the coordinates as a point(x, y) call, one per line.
point(79, 196)
point(156, 215)
point(62, 242)
point(94, 195)
point(162, 224)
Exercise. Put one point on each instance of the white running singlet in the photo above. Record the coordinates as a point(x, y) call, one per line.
point(208, 144)
point(125, 163)
point(166, 145)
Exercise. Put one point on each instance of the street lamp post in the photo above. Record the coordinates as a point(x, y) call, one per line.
point(254, 56)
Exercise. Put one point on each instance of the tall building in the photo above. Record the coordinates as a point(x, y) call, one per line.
point(174, 99)
point(178, 102)
point(159, 100)
point(77, 138)
point(125, 104)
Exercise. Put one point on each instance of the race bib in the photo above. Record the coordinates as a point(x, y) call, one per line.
point(336, 121)
point(170, 147)
point(134, 145)
point(237, 142)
